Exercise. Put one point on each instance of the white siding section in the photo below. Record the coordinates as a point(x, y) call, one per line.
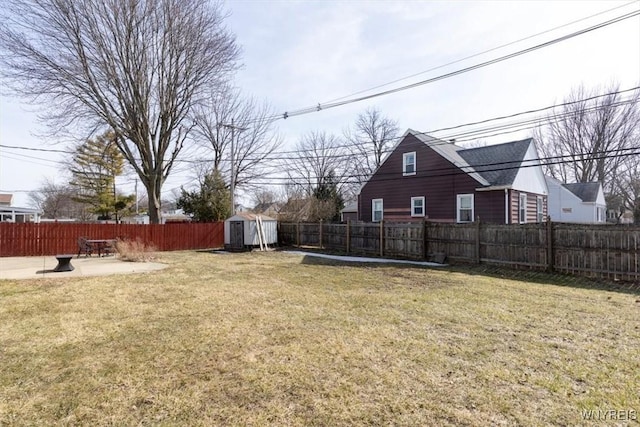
point(530, 177)
point(250, 228)
point(564, 206)
point(600, 199)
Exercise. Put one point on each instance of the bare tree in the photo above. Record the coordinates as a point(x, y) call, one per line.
point(629, 191)
point(262, 198)
point(136, 67)
point(59, 201)
point(320, 159)
point(370, 139)
point(255, 137)
point(318, 170)
point(592, 138)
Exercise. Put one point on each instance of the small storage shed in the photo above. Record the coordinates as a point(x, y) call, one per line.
point(241, 231)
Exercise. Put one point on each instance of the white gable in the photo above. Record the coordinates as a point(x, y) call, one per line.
point(600, 200)
point(530, 177)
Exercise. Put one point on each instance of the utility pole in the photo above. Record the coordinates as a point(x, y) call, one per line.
point(232, 185)
point(136, 196)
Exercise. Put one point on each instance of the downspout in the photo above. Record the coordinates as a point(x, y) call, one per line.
point(506, 206)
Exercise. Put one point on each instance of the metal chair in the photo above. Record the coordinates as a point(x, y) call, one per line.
point(84, 247)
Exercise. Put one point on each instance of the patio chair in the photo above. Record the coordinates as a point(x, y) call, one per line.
point(109, 248)
point(84, 247)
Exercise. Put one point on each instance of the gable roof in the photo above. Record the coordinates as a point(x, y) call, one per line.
point(492, 165)
point(498, 164)
point(264, 207)
point(586, 191)
point(451, 152)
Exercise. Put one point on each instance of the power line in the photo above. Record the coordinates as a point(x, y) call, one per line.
point(320, 107)
point(470, 135)
point(454, 170)
point(557, 117)
point(434, 131)
point(47, 150)
point(479, 53)
point(261, 156)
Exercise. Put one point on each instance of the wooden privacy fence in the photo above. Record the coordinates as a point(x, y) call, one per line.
point(29, 239)
point(609, 251)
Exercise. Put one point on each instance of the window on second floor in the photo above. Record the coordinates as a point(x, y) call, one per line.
point(376, 210)
point(465, 208)
point(409, 163)
point(522, 208)
point(417, 206)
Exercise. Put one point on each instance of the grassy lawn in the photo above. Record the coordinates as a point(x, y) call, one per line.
point(277, 339)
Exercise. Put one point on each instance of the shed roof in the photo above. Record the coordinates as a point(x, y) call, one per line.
point(587, 191)
point(249, 217)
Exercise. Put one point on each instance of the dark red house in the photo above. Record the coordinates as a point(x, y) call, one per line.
point(424, 177)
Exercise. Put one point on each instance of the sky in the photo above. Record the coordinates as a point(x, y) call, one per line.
point(297, 54)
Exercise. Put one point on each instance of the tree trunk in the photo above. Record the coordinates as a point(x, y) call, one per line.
point(153, 187)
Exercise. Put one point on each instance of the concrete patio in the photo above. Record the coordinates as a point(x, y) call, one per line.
point(42, 267)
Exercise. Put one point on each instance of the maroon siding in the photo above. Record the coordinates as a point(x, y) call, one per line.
point(438, 180)
point(490, 206)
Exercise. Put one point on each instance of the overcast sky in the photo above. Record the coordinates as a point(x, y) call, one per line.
point(300, 53)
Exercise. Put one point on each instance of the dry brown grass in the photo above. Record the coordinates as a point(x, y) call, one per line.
point(135, 250)
point(275, 339)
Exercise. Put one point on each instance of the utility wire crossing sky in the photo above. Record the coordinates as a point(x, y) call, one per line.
point(295, 52)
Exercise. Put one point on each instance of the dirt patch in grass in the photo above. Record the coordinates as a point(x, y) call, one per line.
point(267, 339)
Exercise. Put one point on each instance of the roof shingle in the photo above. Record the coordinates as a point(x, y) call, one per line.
point(498, 164)
point(587, 191)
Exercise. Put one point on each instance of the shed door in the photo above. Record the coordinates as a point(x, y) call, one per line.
point(236, 238)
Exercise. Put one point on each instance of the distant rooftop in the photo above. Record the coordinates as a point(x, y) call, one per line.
point(5, 199)
point(587, 191)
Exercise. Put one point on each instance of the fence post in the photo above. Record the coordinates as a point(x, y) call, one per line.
point(382, 238)
point(348, 235)
point(478, 240)
point(550, 260)
point(298, 234)
point(320, 234)
point(425, 252)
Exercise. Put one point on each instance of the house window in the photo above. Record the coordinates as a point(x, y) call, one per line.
point(376, 210)
point(601, 214)
point(465, 208)
point(522, 208)
point(417, 206)
point(540, 209)
point(409, 163)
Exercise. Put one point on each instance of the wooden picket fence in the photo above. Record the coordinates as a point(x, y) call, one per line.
point(29, 239)
point(606, 251)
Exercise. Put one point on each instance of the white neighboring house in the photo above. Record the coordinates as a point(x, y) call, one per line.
point(581, 202)
point(10, 213)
